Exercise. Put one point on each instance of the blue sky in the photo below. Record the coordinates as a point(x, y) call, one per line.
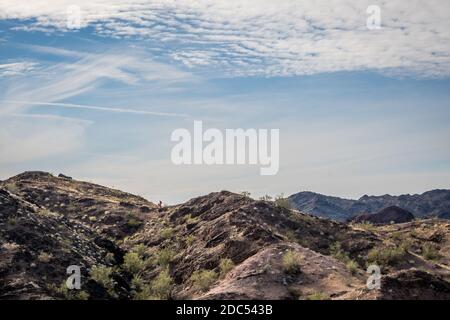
point(359, 111)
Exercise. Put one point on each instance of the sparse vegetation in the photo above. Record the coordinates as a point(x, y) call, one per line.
point(318, 296)
point(203, 279)
point(190, 219)
point(365, 225)
point(134, 223)
point(385, 256)
point(190, 240)
point(74, 294)
point(226, 265)
point(352, 267)
point(167, 233)
point(12, 221)
point(133, 263)
point(44, 257)
point(246, 194)
point(140, 249)
point(340, 254)
point(430, 252)
point(266, 198)
point(102, 275)
point(164, 256)
point(282, 202)
point(291, 262)
point(162, 285)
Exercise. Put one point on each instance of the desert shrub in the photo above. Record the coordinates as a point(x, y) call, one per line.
point(291, 235)
point(109, 257)
point(162, 285)
point(282, 202)
point(266, 198)
point(190, 239)
point(430, 252)
point(140, 249)
point(167, 233)
point(291, 262)
point(203, 279)
point(134, 223)
point(352, 266)
point(406, 244)
point(102, 275)
point(93, 219)
point(246, 194)
point(62, 290)
point(44, 257)
point(226, 265)
point(339, 253)
point(385, 256)
point(365, 225)
point(164, 256)
point(189, 219)
point(318, 296)
point(141, 290)
point(133, 263)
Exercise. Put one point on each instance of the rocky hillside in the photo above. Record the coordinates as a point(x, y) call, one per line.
point(218, 246)
point(435, 203)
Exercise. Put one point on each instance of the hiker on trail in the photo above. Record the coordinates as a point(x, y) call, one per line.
point(160, 204)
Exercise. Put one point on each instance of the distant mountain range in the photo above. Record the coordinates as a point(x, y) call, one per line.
point(434, 203)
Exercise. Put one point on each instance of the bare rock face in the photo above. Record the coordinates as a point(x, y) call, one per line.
point(388, 215)
point(218, 246)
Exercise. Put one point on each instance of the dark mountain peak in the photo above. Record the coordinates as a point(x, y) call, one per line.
point(391, 214)
point(433, 203)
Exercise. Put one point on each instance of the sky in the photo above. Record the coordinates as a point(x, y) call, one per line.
point(94, 89)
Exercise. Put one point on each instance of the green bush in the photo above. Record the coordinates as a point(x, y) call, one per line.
point(365, 225)
point(102, 275)
point(133, 263)
point(291, 262)
point(162, 285)
point(203, 279)
point(386, 256)
point(62, 290)
point(140, 249)
point(266, 198)
point(190, 240)
point(430, 252)
point(282, 202)
point(318, 296)
point(226, 265)
point(167, 233)
point(352, 266)
point(134, 223)
point(164, 256)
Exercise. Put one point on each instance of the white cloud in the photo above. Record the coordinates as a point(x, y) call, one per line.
point(56, 83)
point(16, 68)
point(268, 37)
